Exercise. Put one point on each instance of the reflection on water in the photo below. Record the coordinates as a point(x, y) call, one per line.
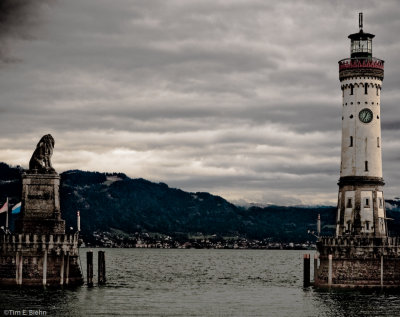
point(157, 282)
point(359, 303)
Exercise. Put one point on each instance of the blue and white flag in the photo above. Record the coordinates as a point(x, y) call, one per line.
point(16, 209)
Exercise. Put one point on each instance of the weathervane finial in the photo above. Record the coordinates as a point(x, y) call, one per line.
point(360, 20)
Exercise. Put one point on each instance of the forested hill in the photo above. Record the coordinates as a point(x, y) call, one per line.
point(116, 201)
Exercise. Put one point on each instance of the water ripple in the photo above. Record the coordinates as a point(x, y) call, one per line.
point(154, 282)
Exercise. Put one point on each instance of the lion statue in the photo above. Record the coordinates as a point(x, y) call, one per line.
point(40, 161)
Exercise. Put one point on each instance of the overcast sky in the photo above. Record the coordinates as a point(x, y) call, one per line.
point(238, 98)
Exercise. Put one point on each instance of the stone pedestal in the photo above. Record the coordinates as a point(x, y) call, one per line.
point(40, 210)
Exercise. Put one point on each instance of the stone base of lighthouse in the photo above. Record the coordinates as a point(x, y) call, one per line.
point(361, 207)
point(358, 262)
point(39, 260)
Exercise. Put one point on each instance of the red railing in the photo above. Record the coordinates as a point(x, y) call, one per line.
point(360, 63)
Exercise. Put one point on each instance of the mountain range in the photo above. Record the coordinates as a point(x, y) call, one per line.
point(108, 201)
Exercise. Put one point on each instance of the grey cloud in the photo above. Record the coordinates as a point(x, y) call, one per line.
point(391, 125)
point(238, 98)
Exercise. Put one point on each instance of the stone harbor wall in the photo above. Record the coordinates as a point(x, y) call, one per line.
point(36, 260)
point(353, 262)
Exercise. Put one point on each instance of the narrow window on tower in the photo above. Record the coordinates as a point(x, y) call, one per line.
point(366, 202)
point(351, 89)
point(366, 166)
point(377, 91)
point(351, 141)
point(349, 203)
point(377, 142)
point(367, 225)
point(366, 89)
point(380, 203)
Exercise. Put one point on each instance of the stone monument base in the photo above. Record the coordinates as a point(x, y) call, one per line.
point(43, 226)
point(358, 262)
point(41, 212)
point(39, 260)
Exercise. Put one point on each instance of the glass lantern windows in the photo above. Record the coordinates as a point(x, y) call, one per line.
point(361, 46)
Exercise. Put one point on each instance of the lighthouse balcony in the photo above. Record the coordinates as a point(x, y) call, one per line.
point(365, 67)
point(361, 63)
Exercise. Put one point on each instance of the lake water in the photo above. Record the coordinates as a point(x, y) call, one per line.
point(178, 282)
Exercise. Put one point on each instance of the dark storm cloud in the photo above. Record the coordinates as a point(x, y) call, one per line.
point(240, 98)
point(13, 13)
point(18, 18)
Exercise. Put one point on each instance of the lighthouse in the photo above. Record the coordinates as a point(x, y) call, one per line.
point(361, 253)
point(361, 208)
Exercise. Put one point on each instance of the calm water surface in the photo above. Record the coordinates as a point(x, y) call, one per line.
point(158, 282)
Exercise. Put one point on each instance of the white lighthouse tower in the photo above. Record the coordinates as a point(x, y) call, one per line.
point(361, 254)
point(361, 208)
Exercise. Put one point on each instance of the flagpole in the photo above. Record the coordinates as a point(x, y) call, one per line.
point(7, 215)
point(78, 220)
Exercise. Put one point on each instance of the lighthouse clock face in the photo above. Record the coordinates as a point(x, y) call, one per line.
point(365, 115)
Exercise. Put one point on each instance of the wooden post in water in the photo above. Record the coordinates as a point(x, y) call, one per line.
point(330, 270)
point(306, 281)
point(101, 268)
point(89, 262)
point(315, 268)
point(381, 270)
